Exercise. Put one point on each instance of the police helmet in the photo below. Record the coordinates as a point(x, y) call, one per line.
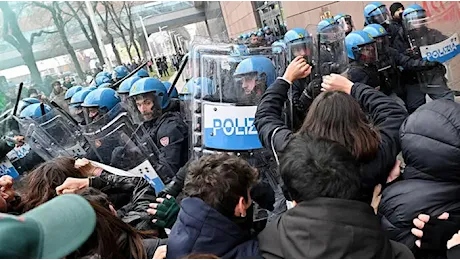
point(120, 72)
point(35, 111)
point(105, 85)
point(168, 85)
point(278, 46)
point(89, 88)
point(71, 91)
point(266, 28)
point(104, 73)
point(260, 34)
point(25, 102)
point(142, 73)
point(126, 85)
point(345, 21)
point(79, 97)
point(355, 41)
point(196, 86)
point(103, 98)
point(414, 12)
point(263, 66)
point(295, 34)
point(376, 12)
point(101, 80)
point(325, 24)
point(151, 85)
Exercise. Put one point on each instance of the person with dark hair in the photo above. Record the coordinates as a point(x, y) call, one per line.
point(113, 238)
point(430, 183)
point(216, 215)
point(398, 39)
point(322, 179)
point(58, 94)
point(338, 115)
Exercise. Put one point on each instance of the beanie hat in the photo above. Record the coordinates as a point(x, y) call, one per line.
point(394, 7)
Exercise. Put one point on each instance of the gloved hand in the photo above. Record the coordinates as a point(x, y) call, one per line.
point(313, 89)
point(164, 212)
point(263, 194)
point(435, 232)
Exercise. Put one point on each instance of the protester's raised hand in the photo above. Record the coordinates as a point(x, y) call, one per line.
point(336, 82)
point(297, 69)
point(164, 212)
point(85, 167)
point(72, 185)
point(6, 187)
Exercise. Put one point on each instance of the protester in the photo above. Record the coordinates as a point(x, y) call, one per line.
point(322, 179)
point(430, 181)
point(336, 115)
point(58, 93)
point(112, 238)
point(50, 231)
point(216, 215)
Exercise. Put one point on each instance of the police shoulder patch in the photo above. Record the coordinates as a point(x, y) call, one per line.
point(164, 141)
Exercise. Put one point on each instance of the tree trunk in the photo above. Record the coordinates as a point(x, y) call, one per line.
point(97, 50)
point(127, 47)
point(114, 48)
point(71, 52)
point(18, 40)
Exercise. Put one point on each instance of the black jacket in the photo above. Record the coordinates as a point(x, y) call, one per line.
point(170, 134)
point(131, 197)
point(386, 115)
point(328, 228)
point(431, 180)
point(4, 149)
point(398, 38)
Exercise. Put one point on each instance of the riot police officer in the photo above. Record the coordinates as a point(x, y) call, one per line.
point(70, 92)
point(174, 101)
point(298, 43)
point(376, 12)
point(363, 55)
point(167, 130)
point(389, 61)
point(101, 80)
point(142, 73)
point(432, 82)
point(345, 21)
point(125, 86)
point(75, 108)
point(119, 73)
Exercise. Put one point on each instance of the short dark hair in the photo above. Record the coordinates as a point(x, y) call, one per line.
point(318, 167)
point(220, 180)
point(57, 82)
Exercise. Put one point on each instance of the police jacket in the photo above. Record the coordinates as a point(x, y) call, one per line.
point(431, 180)
point(398, 38)
point(170, 134)
point(385, 113)
point(328, 228)
point(131, 197)
point(202, 229)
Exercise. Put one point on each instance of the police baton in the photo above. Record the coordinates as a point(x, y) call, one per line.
point(18, 98)
point(181, 69)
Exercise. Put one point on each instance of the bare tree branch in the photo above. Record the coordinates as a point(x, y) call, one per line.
point(38, 34)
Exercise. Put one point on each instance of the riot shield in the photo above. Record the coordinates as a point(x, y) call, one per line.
point(56, 130)
point(436, 38)
point(329, 52)
point(122, 145)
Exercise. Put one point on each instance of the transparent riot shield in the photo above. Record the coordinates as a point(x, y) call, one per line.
point(229, 88)
point(121, 144)
point(436, 38)
point(329, 51)
point(61, 133)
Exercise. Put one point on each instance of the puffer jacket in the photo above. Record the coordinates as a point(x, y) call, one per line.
point(430, 142)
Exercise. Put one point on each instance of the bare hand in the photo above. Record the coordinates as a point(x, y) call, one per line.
point(72, 185)
point(455, 240)
point(377, 196)
point(420, 222)
point(297, 69)
point(19, 140)
point(335, 82)
point(85, 167)
point(395, 172)
point(6, 187)
point(160, 253)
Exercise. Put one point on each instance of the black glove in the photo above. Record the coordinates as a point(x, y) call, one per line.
point(437, 232)
point(313, 89)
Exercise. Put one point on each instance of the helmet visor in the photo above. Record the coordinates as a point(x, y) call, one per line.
point(367, 53)
point(76, 111)
point(300, 48)
point(346, 23)
point(380, 15)
point(382, 43)
point(145, 107)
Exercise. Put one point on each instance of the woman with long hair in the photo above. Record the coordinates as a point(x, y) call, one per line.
point(339, 114)
point(113, 238)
